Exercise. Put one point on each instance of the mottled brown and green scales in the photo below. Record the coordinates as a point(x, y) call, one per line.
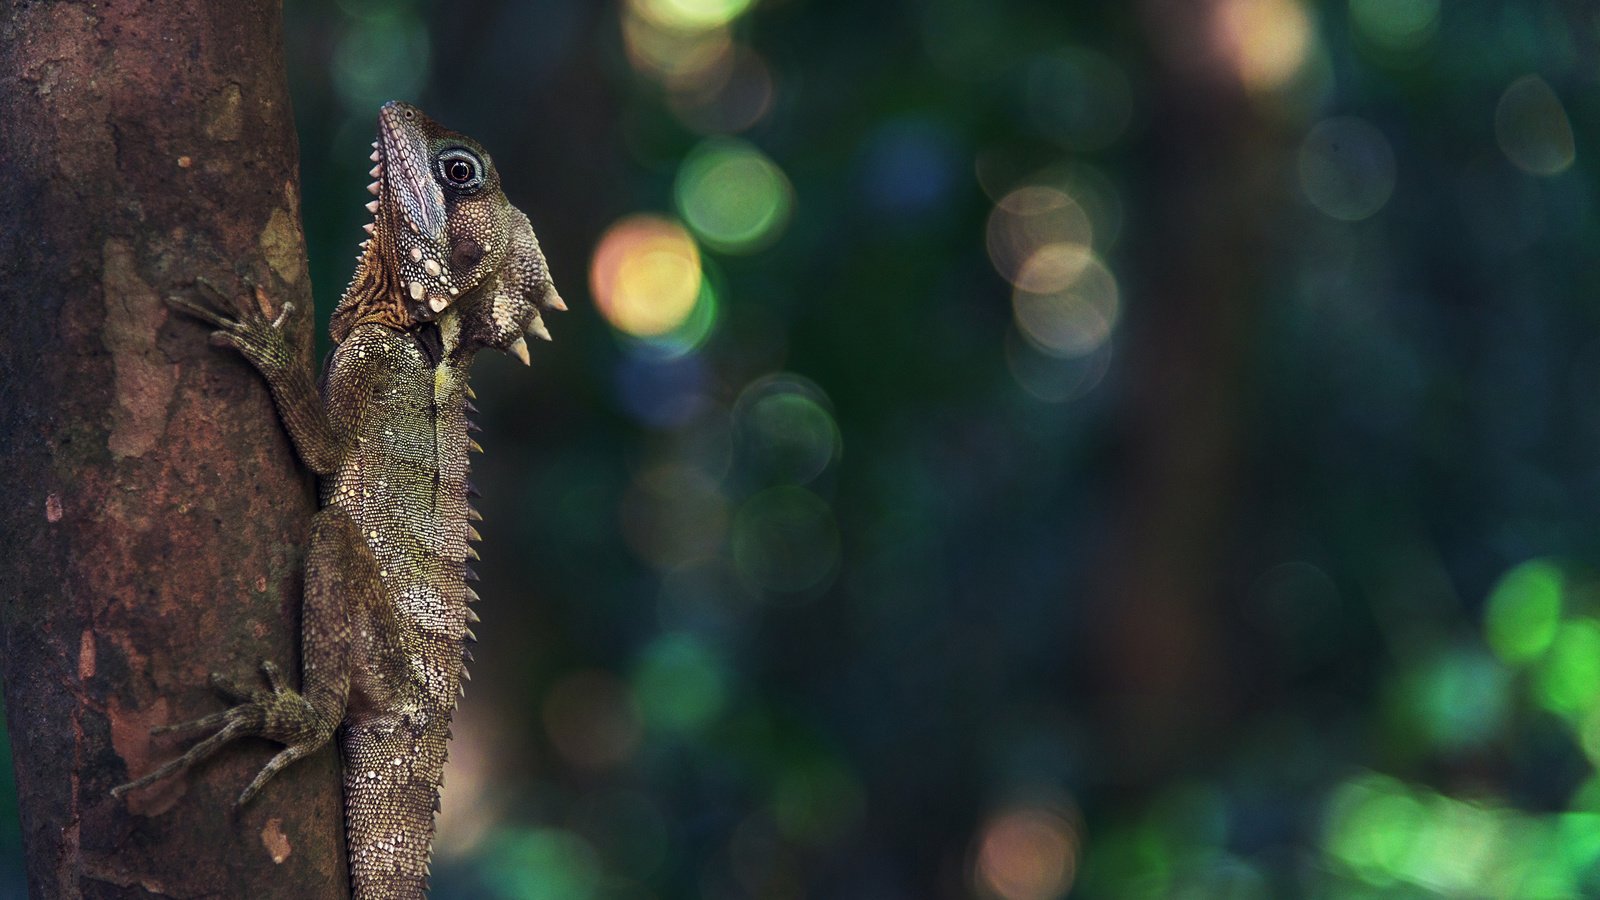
point(450, 267)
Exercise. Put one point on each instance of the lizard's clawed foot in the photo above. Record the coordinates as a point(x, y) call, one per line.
point(277, 713)
point(240, 323)
point(231, 691)
point(236, 722)
point(226, 688)
point(274, 676)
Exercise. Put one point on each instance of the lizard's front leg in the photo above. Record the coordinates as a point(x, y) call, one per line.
point(243, 325)
point(340, 575)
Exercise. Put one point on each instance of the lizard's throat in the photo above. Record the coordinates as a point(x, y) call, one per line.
point(374, 293)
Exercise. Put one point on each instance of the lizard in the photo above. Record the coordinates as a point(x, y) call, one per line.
point(449, 268)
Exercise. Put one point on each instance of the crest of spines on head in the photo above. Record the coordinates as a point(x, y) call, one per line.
point(444, 241)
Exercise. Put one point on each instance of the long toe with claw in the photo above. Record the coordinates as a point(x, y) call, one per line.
point(277, 713)
point(240, 323)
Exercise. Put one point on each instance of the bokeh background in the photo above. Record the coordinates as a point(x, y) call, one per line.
point(1010, 449)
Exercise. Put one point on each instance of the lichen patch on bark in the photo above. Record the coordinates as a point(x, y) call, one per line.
point(130, 738)
point(224, 115)
point(86, 655)
point(144, 378)
point(276, 842)
point(281, 244)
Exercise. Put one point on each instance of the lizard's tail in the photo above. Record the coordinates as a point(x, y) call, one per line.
point(392, 772)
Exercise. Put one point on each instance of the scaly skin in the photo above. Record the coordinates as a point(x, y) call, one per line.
point(450, 268)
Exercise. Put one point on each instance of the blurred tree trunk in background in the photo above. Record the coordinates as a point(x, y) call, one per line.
point(1214, 166)
point(156, 513)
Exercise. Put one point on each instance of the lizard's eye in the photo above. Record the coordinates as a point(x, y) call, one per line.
point(461, 170)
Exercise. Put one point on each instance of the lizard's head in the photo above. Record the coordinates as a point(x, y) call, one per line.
point(444, 237)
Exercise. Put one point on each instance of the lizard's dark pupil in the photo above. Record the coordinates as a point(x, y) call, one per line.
point(460, 170)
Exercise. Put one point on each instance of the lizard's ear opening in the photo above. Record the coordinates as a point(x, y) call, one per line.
point(465, 254)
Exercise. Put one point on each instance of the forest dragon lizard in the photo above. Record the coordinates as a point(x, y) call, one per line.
point(450, 267)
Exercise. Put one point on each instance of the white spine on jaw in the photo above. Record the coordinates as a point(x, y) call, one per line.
point(500, 313)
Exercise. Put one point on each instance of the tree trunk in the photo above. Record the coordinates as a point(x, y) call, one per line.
point(1212, 188)
point(157, 514)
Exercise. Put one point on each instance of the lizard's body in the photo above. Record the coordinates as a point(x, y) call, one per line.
point(408, 501)
point(450, 268)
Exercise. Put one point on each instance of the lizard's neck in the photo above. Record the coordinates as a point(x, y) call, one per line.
point(374, 293)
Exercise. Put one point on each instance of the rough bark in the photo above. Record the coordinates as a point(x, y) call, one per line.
point(156, 514)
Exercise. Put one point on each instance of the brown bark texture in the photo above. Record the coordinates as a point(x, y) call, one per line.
point(156, 514)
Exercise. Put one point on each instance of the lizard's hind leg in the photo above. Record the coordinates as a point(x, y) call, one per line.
point(305, 720)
